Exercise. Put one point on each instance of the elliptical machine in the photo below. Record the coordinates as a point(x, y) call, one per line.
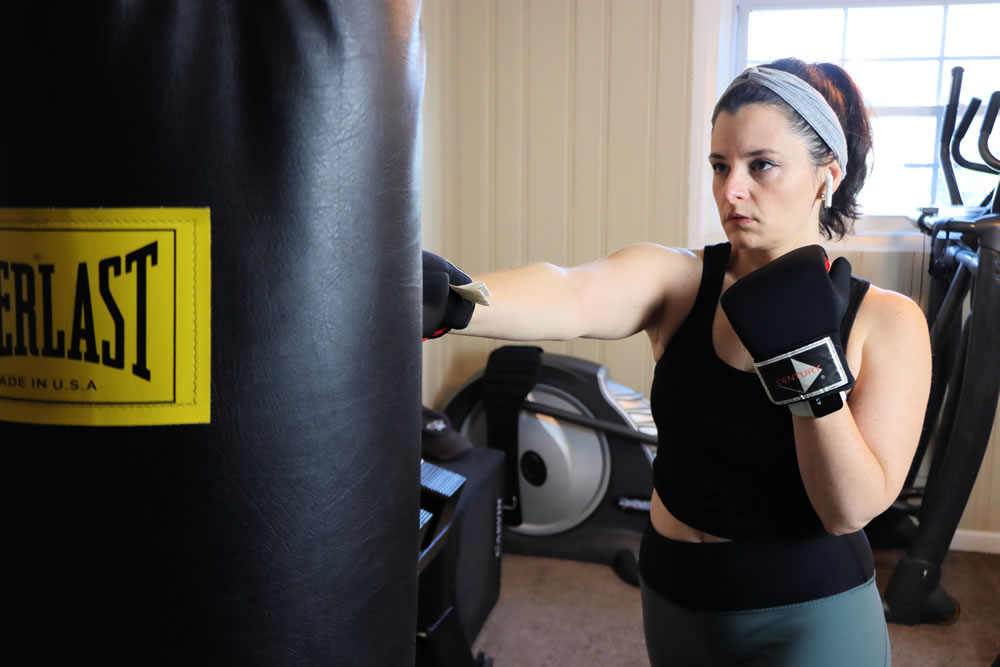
point(579, 450)
point(965, 263)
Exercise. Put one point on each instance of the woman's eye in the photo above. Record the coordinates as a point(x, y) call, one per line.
point(719, 168)
point(762, 165)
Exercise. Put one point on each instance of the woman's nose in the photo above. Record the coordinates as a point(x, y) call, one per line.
point(735, 188)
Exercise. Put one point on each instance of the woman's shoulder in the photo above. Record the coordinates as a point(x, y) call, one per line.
point(888, 319)
point(891, 362)
point(883, 306)
point(660, 252)
point(674, 267)
point(672, 275)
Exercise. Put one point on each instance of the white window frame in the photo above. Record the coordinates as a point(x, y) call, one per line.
point(719, 44)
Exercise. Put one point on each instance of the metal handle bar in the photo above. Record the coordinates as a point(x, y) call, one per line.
point(968, 259)
point(977, 227)
point(589, 422)
point(963, 127)
point(957, 218)
point(987, 129)
point(947, 128)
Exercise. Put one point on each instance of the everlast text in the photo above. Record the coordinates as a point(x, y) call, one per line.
point(27, 320)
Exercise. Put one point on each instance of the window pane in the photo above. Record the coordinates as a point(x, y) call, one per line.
point(808, 34)
point(972, 30)
point(973, 185)
point(895, 190)
point(980, 79)
point(894, 32)
point(896, 182)
point(896, 83)
point(893, 52)
point(904, 139)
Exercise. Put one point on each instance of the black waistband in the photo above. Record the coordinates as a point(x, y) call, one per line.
point(733, 576)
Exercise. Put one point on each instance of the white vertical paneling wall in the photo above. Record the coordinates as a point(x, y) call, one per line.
point(559, 131)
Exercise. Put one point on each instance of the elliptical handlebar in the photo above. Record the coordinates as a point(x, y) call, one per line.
point(987, 129)
point(960, 131)
point(975, 220)
point(958, 235)
point(947, 129)
point(952, 136)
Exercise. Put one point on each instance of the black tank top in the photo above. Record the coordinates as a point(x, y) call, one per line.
point(726, 461)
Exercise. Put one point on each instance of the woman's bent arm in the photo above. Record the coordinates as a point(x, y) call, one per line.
point(854, 462)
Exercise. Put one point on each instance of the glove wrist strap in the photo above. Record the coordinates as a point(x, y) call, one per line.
point(819, 406)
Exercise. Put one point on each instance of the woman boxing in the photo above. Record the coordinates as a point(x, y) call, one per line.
point(788, 395)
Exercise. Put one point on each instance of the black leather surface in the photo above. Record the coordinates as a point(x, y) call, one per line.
point(282, 532)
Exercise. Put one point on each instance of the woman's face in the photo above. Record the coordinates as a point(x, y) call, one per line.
point(764, 182)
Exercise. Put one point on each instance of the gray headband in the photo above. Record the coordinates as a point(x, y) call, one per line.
point(806, 100)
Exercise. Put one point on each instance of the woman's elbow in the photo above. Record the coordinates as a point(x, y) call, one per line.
point(843, 528)
point(843, 524)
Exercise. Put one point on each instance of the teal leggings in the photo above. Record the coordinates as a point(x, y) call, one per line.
point(843, 629)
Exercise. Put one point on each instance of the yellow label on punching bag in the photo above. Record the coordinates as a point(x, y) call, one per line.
point(105, 316)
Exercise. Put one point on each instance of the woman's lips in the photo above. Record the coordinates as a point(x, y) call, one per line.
point(739, 220)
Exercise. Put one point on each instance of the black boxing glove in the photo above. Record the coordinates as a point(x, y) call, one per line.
point(444, 309)
point(787, 314)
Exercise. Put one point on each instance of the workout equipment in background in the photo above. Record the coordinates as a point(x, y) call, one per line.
point(444, 630)
point(579, 447)
point(952, 136)
point(964, 266)
point(460, 587)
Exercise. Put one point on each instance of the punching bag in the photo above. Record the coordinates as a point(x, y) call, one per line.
point(209, 332)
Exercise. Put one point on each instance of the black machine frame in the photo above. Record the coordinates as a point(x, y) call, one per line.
point(965, 269)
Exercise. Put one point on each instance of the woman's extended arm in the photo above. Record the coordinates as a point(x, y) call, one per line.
point(854, 461)
point(609, 298)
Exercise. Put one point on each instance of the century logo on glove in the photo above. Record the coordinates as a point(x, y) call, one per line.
point(805, 372)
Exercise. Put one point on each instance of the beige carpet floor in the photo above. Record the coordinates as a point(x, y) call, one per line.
point(556, 613)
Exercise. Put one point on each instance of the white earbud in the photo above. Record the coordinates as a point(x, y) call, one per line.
point(828, 192)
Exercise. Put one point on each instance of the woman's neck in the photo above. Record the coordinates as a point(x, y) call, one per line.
point(743, 260)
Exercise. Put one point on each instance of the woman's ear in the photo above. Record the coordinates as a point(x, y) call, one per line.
point(831, 175)
point(838, 174)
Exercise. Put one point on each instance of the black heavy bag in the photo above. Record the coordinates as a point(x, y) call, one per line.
point(281, 529)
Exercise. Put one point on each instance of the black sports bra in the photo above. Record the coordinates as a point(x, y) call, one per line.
point(726, 461)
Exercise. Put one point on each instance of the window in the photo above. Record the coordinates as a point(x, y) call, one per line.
point(901, 54)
